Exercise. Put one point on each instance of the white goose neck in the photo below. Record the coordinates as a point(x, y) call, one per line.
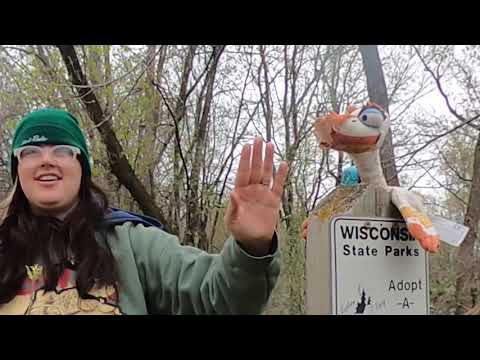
point(370, 168)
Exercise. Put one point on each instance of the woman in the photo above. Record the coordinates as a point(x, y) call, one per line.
point(61, 253)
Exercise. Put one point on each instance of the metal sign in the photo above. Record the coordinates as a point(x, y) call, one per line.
point(377, 268)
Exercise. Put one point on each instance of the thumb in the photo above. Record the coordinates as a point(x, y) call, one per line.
point(234, 203)
point(232, 209)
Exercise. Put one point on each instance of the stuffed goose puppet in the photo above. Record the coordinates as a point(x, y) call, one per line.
point(360, 133)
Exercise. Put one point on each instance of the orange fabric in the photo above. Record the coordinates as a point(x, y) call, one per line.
point(428, 242)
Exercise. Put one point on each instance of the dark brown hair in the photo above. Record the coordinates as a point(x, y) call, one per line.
point(26, 239)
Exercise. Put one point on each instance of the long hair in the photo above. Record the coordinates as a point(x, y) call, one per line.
point(78, 242)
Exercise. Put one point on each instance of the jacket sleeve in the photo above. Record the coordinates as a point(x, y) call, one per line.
point(186, 280)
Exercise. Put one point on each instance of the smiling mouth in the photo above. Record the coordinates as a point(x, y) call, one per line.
point(49, 181)
point(353, 144)
point(48, 178)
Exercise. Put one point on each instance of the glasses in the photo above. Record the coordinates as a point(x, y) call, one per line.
point(32, 155)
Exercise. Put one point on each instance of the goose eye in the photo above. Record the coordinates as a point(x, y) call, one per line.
point(372, 117)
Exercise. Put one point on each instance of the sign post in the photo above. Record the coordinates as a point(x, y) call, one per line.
point(361, 259)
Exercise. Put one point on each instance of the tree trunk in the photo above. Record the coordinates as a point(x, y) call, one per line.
point(377, 91)
point(53, 77)
point(178, 116)
point(116, 156)
point(267, 108)
point(338, 179)
point(181, 98)
point(151, 120)
point(465, 258)
point(113, 186)
point(193, 212)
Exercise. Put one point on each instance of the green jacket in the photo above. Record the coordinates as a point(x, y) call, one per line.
point(160, 276)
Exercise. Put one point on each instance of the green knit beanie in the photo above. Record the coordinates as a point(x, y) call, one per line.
point(53, 127)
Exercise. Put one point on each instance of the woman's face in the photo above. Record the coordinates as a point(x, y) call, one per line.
point(50, 177)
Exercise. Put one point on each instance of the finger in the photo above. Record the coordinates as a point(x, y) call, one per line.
point(257, 163)
point(243, 173)
point(268, 165)
point(279, 180)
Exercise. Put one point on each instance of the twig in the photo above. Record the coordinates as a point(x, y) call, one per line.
point(110, 116)
point(413, 153)
point(442, 92)
point(420, 177)
point(453, 169)
point(177, 133)
point(444, 187)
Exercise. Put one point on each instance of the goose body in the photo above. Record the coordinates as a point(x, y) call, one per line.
point(360, 132)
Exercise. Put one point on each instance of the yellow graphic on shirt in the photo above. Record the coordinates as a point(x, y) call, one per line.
point(32, 299)
point(68, 302)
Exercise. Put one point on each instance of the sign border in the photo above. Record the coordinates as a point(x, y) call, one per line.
point(333, 255)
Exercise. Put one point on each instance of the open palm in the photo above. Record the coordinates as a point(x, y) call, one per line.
point(253, 211)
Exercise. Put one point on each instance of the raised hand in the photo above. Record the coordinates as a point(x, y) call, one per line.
point(253, 210)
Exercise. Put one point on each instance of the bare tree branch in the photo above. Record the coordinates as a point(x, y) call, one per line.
point(451, 167)
point(176, 132)
point(442, 92)
point(416, 151)
point(116, 156)
point(427, 171)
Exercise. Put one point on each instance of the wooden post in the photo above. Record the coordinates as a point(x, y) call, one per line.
point(356, 201)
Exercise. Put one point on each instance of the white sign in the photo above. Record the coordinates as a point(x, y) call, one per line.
point(450, 232)
point(377, 268)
